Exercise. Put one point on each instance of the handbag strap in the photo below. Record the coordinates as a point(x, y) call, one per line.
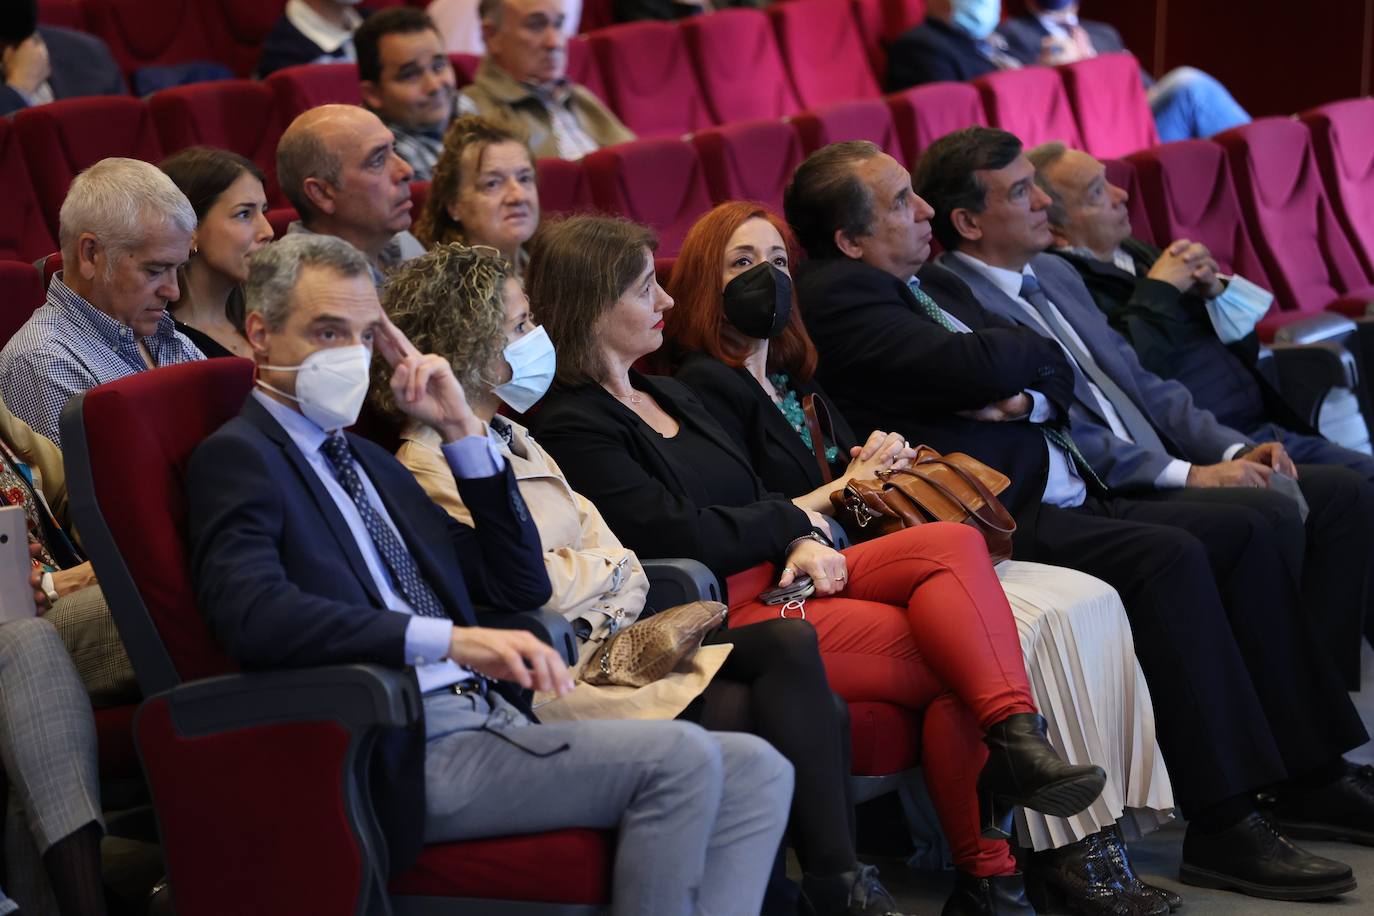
point(992, 513)
point(811, 407)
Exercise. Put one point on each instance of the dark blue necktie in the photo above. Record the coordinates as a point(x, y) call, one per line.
point(404, 573)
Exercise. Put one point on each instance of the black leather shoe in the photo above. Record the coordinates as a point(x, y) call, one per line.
point(1002, 895)
point(1115, 846)
point(1340, 810)
point(1023, 769)
point(851, 893)
point(1254, 858)
point(1084, 879)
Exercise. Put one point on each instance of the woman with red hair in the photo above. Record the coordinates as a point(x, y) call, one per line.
point(743, 349)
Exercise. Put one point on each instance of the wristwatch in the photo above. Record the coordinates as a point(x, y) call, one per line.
point(45, 584)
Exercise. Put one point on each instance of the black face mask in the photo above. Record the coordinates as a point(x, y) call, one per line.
point(758, 302)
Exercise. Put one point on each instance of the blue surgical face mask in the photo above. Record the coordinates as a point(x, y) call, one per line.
point(976, 18)
point(1236, 311)
point(532, 363)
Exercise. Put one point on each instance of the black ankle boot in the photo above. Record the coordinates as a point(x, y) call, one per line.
point(1023, 769)
point(1002, 895)
point(1115, 846)
point(850, 893)
point(1089, 881)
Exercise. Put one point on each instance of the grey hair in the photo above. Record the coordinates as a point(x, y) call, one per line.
point(274, 271)
point(301, 154)
point(1042, 157)
point(120, 201)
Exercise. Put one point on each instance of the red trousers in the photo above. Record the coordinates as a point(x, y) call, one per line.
point(923, 623)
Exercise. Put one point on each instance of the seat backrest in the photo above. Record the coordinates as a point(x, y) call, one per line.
point(300, 88)
point(749, 160)
point(659, 183)
point(563, 187)
point(239, 28)
point(279, 218)
point(237, 115)
point(926, 113)
point(583, 67)
point(1291, 221)
point(126, 447)
point(1187, 192)
point(870, 17)
point(145, 33)
point(822, 51)
point(650, 82)
point(464, 67)
point(1343, 140)
point(24, 232)
point(69, 14)
point(1108, 101)
point(61, 139)
point(737, 61)
point(861, 119)
point(1030, 103)
point(21, 291)
point(1121, 172)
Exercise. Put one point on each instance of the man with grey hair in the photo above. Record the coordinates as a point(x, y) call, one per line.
point(338, 166)
point(125, 229)
point(521, 83)
point(311, 546)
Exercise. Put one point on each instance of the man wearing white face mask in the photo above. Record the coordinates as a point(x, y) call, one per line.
point(311, 32)
point(1183, 320)
point(956, 42)
point(311, 546)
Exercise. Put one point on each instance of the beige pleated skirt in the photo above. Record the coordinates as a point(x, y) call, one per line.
point(1080, 657)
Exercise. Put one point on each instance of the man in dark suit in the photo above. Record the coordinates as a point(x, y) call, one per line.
point(44, 63)
point(1212, 605)
point(310, 546)
point(1186, 101)
point(956, 42)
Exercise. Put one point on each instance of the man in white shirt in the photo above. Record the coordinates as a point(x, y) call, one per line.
point(311, 32)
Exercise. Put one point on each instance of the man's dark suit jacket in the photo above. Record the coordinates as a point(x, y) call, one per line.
point(890, 366)
point(932, 52)
point(617, 461)
point(1174, 338)
point(283, 584)
point(1024, 35)
point(81, 65)
point(748, 414)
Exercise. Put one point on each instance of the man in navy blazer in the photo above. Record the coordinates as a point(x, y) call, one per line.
point(310, 546)
point(1243, 698)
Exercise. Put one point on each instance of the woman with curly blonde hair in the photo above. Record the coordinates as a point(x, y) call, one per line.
point(483, 191)
point(767, 678)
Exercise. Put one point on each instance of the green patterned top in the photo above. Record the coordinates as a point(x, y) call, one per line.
point(791, 409)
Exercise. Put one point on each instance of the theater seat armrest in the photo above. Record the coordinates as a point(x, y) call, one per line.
point(679, 581)
point(1308, 371)
point(552, 628)
point(360, 697)
point(1316, 327)
point(838, 536)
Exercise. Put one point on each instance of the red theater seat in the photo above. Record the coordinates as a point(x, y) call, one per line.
point(68, 14)
point(1031, 103)
point(21, 291)
point(880, 21)
point(737, 60)
point(656, 182)
point(145, 33)
point(465, 67)
point(926, 113)
point(239, 28)
point(1343, 140)
point(280, 218)
point(1109, 103)
point(861, 119)
point(583, 67)
point(749, 160)
point(301, 88)
point(563, 187)
point(24, 232)
point(823, 52)
point(237, 115)
point(61, 139)
point(1294, 226)
point(1188, 194)
point(650, 82)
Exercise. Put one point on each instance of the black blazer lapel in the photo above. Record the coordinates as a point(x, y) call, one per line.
point(693, 415)
point(256, 414)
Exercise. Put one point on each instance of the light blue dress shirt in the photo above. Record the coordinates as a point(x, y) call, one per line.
point(427, 639)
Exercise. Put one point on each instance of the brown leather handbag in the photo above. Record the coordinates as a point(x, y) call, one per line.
point(648, 649)
point(933, 488)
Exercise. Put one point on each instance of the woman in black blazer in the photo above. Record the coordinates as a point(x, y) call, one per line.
point(917, 618)
point(753, 386)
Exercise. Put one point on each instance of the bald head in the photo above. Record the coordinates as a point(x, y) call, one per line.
point(310, 148)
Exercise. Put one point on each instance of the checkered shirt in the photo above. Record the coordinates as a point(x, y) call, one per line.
point(68, 346)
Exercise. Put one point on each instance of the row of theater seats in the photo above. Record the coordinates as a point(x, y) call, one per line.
point(1095, 104)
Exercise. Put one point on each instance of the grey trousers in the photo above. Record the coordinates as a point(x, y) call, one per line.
point(48, 748)
point(699, 815)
